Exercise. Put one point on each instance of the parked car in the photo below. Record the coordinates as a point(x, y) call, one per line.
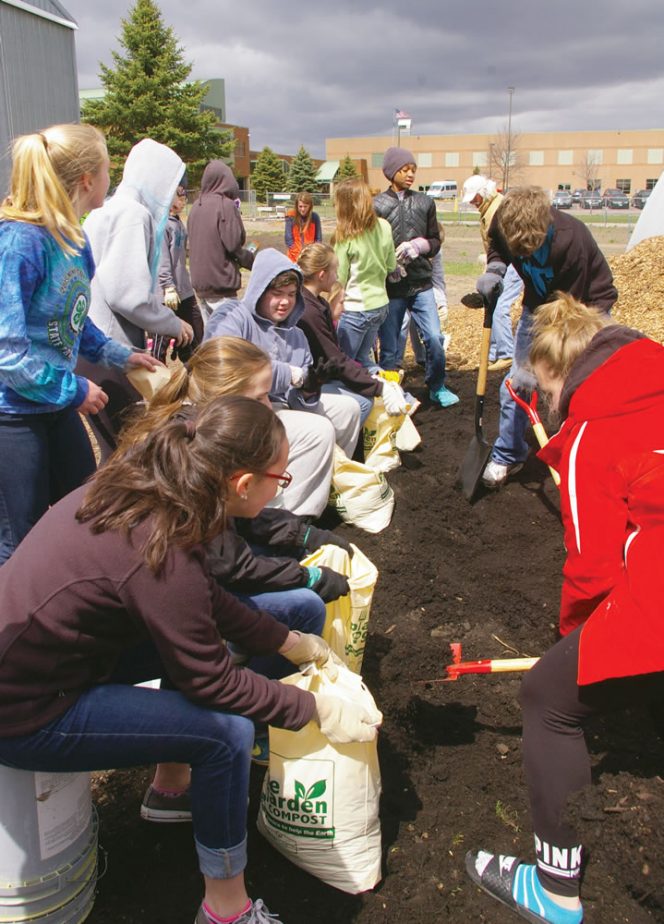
point(591, 199)
point(576, 195)
point(640, 198)
point(615, 199)
point(562, 199)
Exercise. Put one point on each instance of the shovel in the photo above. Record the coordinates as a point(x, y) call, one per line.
point(478, 452)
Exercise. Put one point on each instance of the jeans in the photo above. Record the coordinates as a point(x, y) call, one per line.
point(357, 332)
point(409, 328)
point(502, 338)
point(300, 609)
point(422, 307)
point(338, 388)
point(42, 458)
point(511, 446)
point(119, 725)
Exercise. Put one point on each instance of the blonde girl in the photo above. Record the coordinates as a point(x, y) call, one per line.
point(302, 226)
point(46, 265)
point(365, 250)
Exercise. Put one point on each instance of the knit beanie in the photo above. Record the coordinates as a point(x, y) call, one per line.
point(394, 159)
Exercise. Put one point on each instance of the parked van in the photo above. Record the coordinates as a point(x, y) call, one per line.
point(443, 189)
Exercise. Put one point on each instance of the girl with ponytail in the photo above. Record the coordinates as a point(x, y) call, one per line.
point(46, 265)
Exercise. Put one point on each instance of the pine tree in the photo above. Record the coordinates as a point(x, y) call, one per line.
point(148, 96)
point(346, 170)
point(302, 173)
point(268, 175)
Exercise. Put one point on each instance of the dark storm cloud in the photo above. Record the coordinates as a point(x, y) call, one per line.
point(298, 73)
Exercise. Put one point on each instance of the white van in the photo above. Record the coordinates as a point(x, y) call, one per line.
point(443, 189)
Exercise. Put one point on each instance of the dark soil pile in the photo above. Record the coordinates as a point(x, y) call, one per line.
point(486, 575)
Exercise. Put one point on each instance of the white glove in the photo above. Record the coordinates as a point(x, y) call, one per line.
point(406, 252)
point(308, 648)
point(394, 399)
point(297, 376)
point(171, 298)
point(342, 722)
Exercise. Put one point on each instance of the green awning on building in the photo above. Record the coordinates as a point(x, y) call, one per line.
point(327, 171)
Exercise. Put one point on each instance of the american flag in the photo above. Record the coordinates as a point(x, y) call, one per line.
point(400, 114)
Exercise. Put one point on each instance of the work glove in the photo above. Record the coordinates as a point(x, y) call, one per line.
point(342, 722)
point(397, 274)
point(308, 648)
point(410, 250)
point(394, 399)
point(490, 283)
point(171, 298)
point(297, 376)
point(320, 372)
point(328, 584)
point(313, 538)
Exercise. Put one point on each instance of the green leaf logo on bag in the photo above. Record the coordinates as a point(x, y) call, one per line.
point(301, 811)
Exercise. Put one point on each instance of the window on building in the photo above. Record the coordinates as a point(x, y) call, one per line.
point(536, 158)
point(650, 184)
point(624, 186)
point(595, 156)
point(452, 159)
point(377, 160)
point(480, 159)
point(565, 158)
point(424, 160)
point(655, 155)
point(625, 156)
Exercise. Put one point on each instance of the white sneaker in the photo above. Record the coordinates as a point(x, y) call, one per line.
point(496, 474)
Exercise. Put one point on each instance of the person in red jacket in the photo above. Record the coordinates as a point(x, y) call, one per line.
point(302, 226)
point(606, 382)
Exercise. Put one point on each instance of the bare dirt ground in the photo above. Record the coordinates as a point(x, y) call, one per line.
point(486, 575)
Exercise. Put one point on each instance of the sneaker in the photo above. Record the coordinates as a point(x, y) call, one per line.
point(496, 474)
point(443, 396)
point(260, 753)
point(163, 808)
point(497, 365)
point(517, 886)
point(257, 914)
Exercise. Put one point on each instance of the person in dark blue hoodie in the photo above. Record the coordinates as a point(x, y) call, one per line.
point(267, 316)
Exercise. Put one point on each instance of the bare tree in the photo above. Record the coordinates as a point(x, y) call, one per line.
point(588, 166)
point(506, 160)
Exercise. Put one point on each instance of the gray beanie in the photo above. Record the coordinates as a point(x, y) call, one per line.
point(394, 159)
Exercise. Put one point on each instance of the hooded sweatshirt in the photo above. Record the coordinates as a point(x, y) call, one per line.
point(126, 235)
point(609, 452)
point(285, 343)
point(217, 235)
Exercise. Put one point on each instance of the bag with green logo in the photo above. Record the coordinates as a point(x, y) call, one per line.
point(347, 618)
point(380, 434)
point(319, 804)
point(360, 495)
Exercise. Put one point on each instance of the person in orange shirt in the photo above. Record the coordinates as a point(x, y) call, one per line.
point(302, 226)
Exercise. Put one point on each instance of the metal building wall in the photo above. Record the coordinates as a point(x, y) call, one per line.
point(38, 82)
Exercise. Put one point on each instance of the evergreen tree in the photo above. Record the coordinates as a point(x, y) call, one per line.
point(268, 175)
point(148, 96)
point(302, 173)
point(346, 170)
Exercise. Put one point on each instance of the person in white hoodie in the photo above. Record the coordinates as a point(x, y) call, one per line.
point(126, 236)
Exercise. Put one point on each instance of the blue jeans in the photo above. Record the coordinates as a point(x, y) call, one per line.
point(423, 311)
point(42, 458)
point(502, 338)
point(338, 388)
point(119, 725)
point(511, 445)
point(409, 328)
point(357, 333)
point(300, 609)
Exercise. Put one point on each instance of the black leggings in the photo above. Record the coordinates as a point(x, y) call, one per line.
point(555, 755)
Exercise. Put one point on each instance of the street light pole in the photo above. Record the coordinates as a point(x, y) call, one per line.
point(506, 175)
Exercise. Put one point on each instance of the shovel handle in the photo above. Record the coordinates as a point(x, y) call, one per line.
point(534, 417)
point(489, 666)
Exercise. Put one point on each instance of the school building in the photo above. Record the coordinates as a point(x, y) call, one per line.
point(627, 160)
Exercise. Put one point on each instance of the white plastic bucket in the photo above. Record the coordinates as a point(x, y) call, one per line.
point(48, 847)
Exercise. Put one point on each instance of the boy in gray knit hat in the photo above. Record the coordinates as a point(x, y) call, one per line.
point(412, 216)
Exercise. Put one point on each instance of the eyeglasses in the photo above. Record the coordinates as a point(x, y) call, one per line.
point(284, 479)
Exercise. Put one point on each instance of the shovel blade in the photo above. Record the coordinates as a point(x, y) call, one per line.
point(474, 463)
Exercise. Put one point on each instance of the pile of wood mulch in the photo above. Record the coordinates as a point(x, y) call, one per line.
point(639, 278)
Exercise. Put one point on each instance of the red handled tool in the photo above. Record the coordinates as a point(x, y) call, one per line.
point(534, 417)
point(484, 665)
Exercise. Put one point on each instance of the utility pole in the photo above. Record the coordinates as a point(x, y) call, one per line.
point(506, 172)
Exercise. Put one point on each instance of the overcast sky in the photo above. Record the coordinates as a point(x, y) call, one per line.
point(298, 72)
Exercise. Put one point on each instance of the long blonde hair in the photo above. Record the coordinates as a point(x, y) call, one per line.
point(562, 329)
point(314, 258)
point(220, 366)
point(46, 170)
point(354, 207)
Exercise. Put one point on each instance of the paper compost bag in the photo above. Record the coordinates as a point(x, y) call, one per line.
point(148, 382)
point(360, 495)
point(319, 803)
point(380, 434)
point(347, 618)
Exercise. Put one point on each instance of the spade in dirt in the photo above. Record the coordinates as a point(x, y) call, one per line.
point(478, 452)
